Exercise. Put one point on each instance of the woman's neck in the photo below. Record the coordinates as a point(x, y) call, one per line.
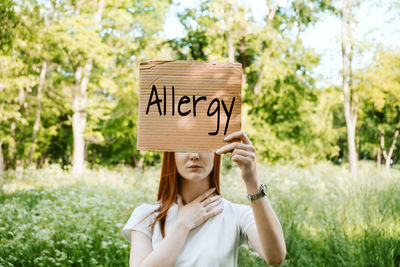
point(191, 190)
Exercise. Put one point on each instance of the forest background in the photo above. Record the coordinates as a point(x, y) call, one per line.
point(69, 80)
point(69, 94)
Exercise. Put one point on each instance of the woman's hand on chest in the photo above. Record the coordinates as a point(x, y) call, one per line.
point(199, 210)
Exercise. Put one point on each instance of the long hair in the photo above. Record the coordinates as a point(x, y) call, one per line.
point(170, 186)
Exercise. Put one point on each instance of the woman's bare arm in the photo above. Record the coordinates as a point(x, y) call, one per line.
point(266, 236)
point(165, 254)
point(140, 248)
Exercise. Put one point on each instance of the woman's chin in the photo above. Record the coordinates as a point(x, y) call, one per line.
point(195, 177)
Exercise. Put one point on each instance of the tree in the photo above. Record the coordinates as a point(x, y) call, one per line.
point(278, 95)
point(62, 55)
point(110, 49)
point(131, 29)
point(79, 101)
point(379, 90)
point(350, 96)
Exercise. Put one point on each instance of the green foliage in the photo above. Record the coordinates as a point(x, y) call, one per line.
point(195, 41)
point(8, 22)
point(48, 217)
point(285, 115)
point(66, 35)
point(294, 118)
point(302, 13)
point(380, 107)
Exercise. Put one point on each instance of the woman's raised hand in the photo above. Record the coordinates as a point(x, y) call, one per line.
point(243, 153)
point(200, 209)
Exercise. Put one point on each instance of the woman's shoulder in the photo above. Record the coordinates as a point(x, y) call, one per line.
point(145, 208)
point(242, 214)
point(233, 204)
point(235, 207)
point(149, 205)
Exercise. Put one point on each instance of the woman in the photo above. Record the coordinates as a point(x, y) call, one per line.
point(192, 225)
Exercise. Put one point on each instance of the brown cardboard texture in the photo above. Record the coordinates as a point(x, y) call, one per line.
point(188, 106)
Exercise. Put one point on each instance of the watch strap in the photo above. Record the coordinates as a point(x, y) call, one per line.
point(263, 192)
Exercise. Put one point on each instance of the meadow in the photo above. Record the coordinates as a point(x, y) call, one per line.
point(50, 218)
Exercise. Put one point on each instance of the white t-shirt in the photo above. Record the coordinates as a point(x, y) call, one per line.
point(213, 243)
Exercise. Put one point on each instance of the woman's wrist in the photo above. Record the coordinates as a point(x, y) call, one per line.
point(253, 187)
point(181, 224)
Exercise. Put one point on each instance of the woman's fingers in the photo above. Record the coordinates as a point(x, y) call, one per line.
point(200, 209)
point(229, 147)
point(210, 199)
point(213, 204)
point(214, 212)
point(239, 135)
point(205, 194)
point(243, 153)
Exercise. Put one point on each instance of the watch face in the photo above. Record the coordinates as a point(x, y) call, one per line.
point(264, 188)
point(263, 192)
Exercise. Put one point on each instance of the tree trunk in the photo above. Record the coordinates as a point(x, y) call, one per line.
point(133, 160)
point(242, 50)
point(271, 13)
point(258, 86)
point(79, 105)
point(41, 161)
point(141, 160)
point(38, 110)
point(391, 149)
point(379, 157)
point(351, 131)
point(78, 124)
point(298, 14)
point(12, 145)
point(79, 117)
point(1, 159)
point(228, 19)
point(19, 168)
point(350, 100)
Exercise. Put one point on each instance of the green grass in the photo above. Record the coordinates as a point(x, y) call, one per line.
point(51, 218)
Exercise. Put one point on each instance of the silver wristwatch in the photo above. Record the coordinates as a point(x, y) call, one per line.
point(263, 192)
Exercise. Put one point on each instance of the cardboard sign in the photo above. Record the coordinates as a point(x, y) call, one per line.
point(188, 105)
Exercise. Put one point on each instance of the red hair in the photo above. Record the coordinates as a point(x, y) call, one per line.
point(170, 186)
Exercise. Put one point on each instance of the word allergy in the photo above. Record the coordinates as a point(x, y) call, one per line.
point(186, 100)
